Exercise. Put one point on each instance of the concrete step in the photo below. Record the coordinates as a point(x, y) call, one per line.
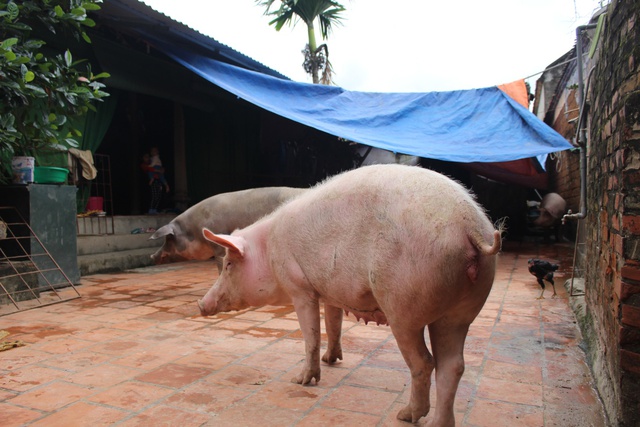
point(99, 252)
point(125, 224)
point(115, 261)
point(89, 245)
point(121, 224)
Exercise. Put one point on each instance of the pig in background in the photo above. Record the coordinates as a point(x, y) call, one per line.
point(377, 156)
point(393, 244)
point(549, 213)
point(221, 213)
point(552, 208)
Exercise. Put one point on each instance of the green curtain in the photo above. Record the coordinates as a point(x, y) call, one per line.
point(97, 123)
point(94, 127)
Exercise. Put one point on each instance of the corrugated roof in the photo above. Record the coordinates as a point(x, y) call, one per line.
point(136, 18)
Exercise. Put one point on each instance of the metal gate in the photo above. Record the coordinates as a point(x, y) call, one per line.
point(29, 276)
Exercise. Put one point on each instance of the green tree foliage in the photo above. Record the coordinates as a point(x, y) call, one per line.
point(328, 13)
point(43, 90)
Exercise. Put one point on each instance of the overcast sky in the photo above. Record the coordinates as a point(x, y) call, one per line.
point(403, 45)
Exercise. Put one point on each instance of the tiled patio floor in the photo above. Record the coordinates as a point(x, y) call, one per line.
point(132, 352)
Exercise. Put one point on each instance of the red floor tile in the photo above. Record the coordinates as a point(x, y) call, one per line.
point(287, 395)
point(28, 377)
point(77, 361)
point(82, 414)
point(383, 379)
point(131, 396)
point(19, 357)
point(387, 359)
point(488, 413)
point(62, 346)
point(358, 399)
point(134, 351)
point(207, 397)
point(242, 376)
point(513, 373)
point(52, 396)
point(14, 416)
point(282, 362)
point(251, 414)
point(103, 376)
point(166, 416)
point(174, 375)
point(321, 417)
point(509, 391)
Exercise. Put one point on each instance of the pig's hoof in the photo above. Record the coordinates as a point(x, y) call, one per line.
point(332, 357)
point(306, 377)
point(406, 414)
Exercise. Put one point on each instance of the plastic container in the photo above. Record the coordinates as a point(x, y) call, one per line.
point(50, 175)
point(22, 169)
point(95, 204)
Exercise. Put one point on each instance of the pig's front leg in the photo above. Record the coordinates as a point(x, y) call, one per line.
point(333, 324)
point(308, 311)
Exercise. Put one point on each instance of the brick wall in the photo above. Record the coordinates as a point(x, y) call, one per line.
point(565, 170)
point(612, 277)
point(564, 175)
point(561, 114)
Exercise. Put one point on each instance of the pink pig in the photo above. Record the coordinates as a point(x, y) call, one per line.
point(397, 245)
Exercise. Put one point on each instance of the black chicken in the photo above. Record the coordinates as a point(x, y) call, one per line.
point(543, 270)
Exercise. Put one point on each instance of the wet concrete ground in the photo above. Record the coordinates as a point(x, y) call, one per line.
point(133, 352)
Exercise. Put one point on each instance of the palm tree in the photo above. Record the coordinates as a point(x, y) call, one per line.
point(316, 58)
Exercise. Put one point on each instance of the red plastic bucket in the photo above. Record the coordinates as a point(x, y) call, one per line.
point(95, 204)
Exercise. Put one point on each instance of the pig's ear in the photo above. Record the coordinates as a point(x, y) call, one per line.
point(233, 243)
point(162, 231)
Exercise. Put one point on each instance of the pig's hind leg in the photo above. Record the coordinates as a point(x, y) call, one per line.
point(333, 324)
point(420, 362)
point(447, 343)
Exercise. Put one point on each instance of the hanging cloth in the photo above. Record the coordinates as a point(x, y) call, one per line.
point(85, 158)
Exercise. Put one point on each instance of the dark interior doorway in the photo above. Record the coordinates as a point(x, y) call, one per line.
point(139, 123)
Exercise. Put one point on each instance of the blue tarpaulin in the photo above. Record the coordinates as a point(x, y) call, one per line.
point(478, 125)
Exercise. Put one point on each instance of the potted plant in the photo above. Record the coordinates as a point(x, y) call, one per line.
point(44, 95)
point(44, 91)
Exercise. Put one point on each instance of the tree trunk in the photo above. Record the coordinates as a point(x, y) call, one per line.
point(312, 51)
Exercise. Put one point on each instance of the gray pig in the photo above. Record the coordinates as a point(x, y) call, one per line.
point(552, 207)
point(221, 213)
point(397, 245)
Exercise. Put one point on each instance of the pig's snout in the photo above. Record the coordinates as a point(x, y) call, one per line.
point(201, 307)
point(205, 311)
